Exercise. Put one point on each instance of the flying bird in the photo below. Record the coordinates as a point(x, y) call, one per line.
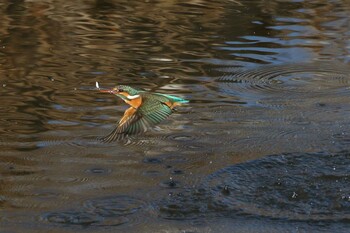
point(146, 109)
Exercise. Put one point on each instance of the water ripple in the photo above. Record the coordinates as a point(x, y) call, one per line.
point(300, 78)
point(305, 187)
point(113, 206)
point(108, 211)
point(71, 218)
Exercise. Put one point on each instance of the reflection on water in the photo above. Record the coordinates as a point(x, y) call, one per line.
point(262, 77)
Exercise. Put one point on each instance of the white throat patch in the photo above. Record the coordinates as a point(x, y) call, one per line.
point(131, 97)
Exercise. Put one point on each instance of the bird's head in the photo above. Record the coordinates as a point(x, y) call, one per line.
point(125, 92)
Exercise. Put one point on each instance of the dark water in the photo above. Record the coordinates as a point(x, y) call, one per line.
point(263, 145)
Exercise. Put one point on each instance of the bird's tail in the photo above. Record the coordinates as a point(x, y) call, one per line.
point(176, 99)
point(113, 136)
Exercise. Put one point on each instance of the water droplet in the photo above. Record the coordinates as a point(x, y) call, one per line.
point(172, 182)
point(226, 190)
point(169, 183)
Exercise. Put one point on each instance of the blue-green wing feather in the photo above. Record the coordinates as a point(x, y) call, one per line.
point(173, 98)
point(140, 121)
point(153, 110)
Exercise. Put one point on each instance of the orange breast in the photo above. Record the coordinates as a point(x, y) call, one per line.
point(135, 103)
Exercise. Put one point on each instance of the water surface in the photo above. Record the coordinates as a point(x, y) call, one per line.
point(263, 145)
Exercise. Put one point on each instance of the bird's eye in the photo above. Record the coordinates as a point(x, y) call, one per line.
point(120, 90)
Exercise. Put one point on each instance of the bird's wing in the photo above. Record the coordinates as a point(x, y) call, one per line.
point(137, 121)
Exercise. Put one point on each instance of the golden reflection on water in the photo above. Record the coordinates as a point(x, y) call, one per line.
point(53, 52)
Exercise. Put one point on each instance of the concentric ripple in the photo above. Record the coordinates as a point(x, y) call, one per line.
point(303, 187)
point(108, 211)
point(113, 206)
point(71, 218)
point(300, 78)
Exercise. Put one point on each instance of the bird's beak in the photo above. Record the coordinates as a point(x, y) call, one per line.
point(110, 91)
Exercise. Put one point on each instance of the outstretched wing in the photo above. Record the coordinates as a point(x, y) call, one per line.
point(137, 121)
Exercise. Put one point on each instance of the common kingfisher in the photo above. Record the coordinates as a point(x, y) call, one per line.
point(146, 109)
